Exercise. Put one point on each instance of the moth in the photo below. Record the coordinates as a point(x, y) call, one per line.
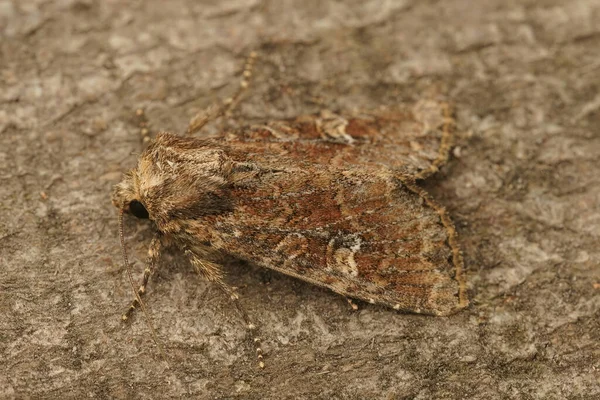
point(331, 199)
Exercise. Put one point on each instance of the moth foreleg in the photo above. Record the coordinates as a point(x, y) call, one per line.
point(151, 262)
point(213, 273)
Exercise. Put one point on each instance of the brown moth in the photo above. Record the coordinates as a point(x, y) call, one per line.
point(331, 199)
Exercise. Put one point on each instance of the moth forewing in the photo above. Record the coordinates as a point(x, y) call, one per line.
point(362, 232)
point(330, 199)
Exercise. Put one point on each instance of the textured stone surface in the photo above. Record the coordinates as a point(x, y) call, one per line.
point(523, 188)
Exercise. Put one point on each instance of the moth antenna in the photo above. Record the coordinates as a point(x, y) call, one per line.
point(212, 112)
point(147, 317)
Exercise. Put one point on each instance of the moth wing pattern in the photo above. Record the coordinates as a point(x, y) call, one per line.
point(360, 232)
point(413, 140)
point(330, 199)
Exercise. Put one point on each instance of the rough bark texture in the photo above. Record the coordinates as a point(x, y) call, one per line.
point(523, 188)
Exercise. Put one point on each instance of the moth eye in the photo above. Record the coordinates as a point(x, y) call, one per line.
point(138, 209)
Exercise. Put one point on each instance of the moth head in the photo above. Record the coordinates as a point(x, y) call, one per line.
point(126, 197)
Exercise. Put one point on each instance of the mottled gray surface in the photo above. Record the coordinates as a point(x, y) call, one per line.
point(523, 188)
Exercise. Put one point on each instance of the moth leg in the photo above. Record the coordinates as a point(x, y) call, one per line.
point(233, 296)
point(213, 112)
point(213, 273)
point(151, 262)
point(352, 304)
